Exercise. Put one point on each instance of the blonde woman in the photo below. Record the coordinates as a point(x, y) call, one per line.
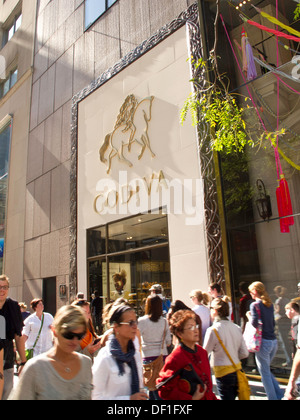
point(61, 373)
point(263, 309)
point(201, 301)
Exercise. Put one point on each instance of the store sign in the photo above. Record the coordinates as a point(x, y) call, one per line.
point(127, 143)
point(124, 193)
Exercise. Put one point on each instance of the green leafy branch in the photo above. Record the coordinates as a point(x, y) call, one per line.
point(216, 106)
point(213, 104)
point(297, 12)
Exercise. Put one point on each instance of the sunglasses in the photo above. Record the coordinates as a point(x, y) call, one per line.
point(71, 335)
point(130, 323)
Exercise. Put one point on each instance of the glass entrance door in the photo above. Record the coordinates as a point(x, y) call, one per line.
point(127, 257)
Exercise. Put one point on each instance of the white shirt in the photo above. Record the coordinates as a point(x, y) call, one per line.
point(232, 337)
point(152, 334)
point(204, 314)
point(31, 330)
point(108, 384)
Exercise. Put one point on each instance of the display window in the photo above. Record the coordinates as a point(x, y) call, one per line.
point(127, 257)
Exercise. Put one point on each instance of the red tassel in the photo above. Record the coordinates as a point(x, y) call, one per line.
point(286, 199)
point(284, 204)
point(284, 226)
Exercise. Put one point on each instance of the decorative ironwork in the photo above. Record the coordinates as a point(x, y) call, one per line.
point(214, 242)
point(207, 168)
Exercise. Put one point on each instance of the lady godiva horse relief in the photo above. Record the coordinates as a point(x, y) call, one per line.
point(131, 127)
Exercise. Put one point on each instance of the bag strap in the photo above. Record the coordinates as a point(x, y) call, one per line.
point(164, 336)
point(224, 348)
point(178, 373)
point(38, 336)
point(256, 305)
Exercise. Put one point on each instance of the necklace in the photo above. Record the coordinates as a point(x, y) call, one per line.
point(67, 369)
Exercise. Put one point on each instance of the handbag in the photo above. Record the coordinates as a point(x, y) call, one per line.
point(252, 335)
point(244, 390)
point(151, 370)
point(29, 352)
point(188, 376)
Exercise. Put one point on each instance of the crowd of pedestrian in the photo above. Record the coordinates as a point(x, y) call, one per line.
point(167, 354)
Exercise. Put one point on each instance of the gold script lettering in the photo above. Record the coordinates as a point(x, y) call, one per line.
point(111, 199)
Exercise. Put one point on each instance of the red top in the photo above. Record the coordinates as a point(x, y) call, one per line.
point(176, 389)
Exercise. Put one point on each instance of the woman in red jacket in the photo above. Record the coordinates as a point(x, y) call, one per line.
point(194, 380)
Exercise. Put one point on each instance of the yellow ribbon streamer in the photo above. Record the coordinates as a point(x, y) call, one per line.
point(282, 25)
point(294, 165)
point(288, 160)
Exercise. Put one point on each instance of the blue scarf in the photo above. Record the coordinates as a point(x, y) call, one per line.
point(121, 358)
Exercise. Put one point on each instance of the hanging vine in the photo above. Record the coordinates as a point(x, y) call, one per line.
point(214, 104)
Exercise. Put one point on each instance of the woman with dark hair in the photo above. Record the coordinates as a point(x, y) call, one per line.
point(117, 369)
point(186, 373)
point(37, 332)
point(155, 333)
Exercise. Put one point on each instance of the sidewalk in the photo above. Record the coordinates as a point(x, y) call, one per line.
point(257, 390)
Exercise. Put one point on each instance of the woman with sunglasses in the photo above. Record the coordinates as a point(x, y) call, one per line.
point(61, 373)
point(117, 370)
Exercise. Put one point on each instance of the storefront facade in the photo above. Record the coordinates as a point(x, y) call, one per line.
point(131, 197)
point(140, 208)
point(262, 245)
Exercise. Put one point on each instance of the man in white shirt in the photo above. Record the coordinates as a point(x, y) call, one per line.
point(41, 322)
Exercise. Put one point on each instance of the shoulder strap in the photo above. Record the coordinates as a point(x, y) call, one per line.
point(224, 348)
point(38, 336)
point(164, 336)
point(257, 306)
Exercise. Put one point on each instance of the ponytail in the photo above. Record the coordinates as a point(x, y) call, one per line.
point(261, 291)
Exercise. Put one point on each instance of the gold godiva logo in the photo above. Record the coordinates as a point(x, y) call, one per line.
point(131, 127)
